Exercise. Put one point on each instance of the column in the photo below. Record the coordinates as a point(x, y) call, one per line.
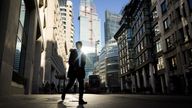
point(152, 81)
point(138, 80)
point(167, 81)
point(121, 84)
point(31, 29)
point(162, 84)
point(8, 33)
point(37, 69)
point(144, 77)
point(133, 84)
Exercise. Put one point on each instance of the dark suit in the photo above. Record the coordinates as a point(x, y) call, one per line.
point(76, 72)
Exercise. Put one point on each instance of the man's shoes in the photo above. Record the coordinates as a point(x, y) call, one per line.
point(63, 97)
point(81, 101)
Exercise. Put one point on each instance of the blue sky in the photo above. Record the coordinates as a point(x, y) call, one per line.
point(101, 6)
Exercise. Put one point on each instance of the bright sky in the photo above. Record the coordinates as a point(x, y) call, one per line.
point(101, 6)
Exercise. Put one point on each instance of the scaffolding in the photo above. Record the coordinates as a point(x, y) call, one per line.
point(89, 11)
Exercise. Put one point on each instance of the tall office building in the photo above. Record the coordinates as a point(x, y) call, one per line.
point(89, 25)
point(155, 46)
point(111, 24)
point(89, 33)
point(66, 9)
point(53, 58)
point(21, 47)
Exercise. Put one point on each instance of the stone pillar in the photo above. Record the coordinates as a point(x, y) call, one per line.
point(121, 84)
point(36, 75)
point(138, 80)
point(152, 80)
point(144, 77)
point(31, 30)
point(133, 83)
point(8, 35)
point(162, 84)
point(167, 81)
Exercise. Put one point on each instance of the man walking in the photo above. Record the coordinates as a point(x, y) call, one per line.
point(76, 70)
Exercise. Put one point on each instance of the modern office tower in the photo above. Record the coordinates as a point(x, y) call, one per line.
point(101, 68)
point(111, 24)
point(90, 33)
point(112, 66)
point(107, 67)
point(89, 21)
point(112, 72)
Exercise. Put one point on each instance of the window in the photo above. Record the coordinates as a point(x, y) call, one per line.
point(139, 48)
point(172, 63)
point(20, 51)
point(63, 18)
point(143, 28)
point(122, 70)
point(169, 42)
point(136, 50)
point(19, 43)
point(140, 61)
point(142, 45)
point(156, 30)
point(166, 24)
point(146, 55)
point(22, 13)
point(137, 36)
point(145, 41)
point(160, 64)
point(63, 10)
point(63, 14)
point(143, 57)
point(155, 14)
point(178, 14)
point(164, 7)
point(158, 46)
point(186, 36)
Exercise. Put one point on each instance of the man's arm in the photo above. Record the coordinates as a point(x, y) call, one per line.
point(71, 57)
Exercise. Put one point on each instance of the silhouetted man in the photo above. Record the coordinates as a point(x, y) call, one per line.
point(76, 70)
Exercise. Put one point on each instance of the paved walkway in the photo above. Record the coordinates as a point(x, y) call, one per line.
point(96, 101)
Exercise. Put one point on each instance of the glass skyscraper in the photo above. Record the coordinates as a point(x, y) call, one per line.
point(111, 25)
point(89, 25)
point(90, 33)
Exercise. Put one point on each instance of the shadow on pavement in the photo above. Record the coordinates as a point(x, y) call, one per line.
point(61, 105)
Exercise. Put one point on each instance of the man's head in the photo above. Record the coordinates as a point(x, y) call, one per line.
point(79, 44)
